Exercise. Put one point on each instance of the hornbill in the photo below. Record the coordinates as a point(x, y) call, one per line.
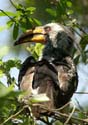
point(55, 73)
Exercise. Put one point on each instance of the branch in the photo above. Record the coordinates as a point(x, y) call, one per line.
point(7, 15)
point(57, 115)
point(81, 93)
point(13, 4)
point(75, 118)
point(82, 109)
point(77, 24)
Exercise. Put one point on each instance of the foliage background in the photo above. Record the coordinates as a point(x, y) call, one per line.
point(22, 15)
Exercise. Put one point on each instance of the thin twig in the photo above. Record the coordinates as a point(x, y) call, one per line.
point(77, 32)
point(81, 29)
point(66, 116)
point(68, 119)
point(62, 107)
point(12, 116)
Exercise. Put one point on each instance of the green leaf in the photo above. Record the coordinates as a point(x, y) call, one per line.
point(15, 30)
point(69, 12)
point(81, 115)
point(35, 50)
point(12, 63)
point(1, 62)
point(39, 98)
point(3, 28)
point(51, 12)
point(69, 3)
point(1, 73)
point(84, 42)
point(5, 90)
point(57, 122)
point(76, 60)
point(9, 23)
point(4, 50)
point(31, 9)
point(17, 63)
point(38, 48)
point(9, 64)
point(7, 13)
point(18, 14)
point(37, 21)
point(84, 56)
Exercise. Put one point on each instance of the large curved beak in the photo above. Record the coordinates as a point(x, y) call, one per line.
point(36, 35)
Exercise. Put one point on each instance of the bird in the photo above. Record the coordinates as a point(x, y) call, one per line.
point(55, 72)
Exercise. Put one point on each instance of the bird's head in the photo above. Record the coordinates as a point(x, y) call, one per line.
point(56, 37)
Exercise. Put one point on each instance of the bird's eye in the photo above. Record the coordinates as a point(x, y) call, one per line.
point(47, 29)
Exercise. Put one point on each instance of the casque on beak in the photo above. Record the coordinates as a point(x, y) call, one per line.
point(36, 35)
